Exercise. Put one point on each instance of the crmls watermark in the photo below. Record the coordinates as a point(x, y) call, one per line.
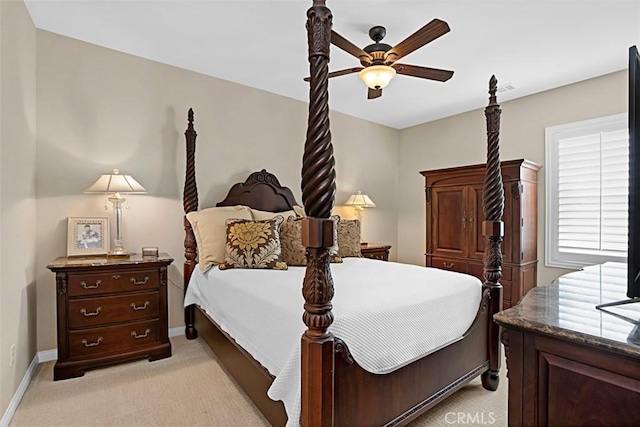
point(477, 418)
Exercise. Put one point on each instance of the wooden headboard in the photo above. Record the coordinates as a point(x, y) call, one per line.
point(262, 191)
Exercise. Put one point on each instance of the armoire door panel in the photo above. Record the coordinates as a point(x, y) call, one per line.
point(448, 206)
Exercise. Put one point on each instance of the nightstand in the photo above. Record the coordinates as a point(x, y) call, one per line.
point(110, 311)
point(375, 251)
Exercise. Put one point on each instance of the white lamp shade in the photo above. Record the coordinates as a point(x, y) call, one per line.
point(116, 183)
point(360, 200)
point(377, 76)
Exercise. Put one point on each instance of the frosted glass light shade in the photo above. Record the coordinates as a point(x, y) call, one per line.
point(360, 200)
point(116, 183)
point(377, 76)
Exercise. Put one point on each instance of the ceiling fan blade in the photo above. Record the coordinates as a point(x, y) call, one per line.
point(340, 73)
point(423, 72)
point(424, 35)
point(374, 93)
point(349, 47)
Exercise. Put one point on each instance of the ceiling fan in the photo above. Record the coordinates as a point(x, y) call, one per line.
point(379, 59)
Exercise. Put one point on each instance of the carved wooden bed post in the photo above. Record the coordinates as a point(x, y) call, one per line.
point(318, 192)
point(493, 230)
point(190, 204)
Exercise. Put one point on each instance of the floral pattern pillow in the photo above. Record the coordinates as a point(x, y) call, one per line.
point(293, 252)
point(253, 244)
point(349, 238)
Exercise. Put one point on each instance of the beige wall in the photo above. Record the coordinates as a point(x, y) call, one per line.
point(99, 109)
point(461, 140)
point(17, 194)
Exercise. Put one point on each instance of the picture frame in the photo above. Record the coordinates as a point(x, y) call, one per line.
point(87, 236)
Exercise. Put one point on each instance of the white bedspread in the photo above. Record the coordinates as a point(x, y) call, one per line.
point(389, 314)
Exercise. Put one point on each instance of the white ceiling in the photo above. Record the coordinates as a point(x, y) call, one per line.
point(536, 45)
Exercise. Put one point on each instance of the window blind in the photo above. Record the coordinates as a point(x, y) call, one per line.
point(592, 194)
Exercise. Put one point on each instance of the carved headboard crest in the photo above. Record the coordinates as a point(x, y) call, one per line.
point(261, 190)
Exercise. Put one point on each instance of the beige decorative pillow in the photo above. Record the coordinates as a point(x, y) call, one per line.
point(293, 252)
point(254, 244)
point(210, 231)
point(349, 238)
point(263, 215)
point(299, 210)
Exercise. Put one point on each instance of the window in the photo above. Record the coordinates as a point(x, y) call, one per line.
point(587, 190)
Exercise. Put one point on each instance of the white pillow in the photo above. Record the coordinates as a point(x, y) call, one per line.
point(210, 231)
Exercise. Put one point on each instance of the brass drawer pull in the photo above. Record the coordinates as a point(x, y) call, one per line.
point(142, 307)
point(92, 344)
point(89, 314)
point(84, 284)
point(136, 336)
point(142, 282)
point(447, 265)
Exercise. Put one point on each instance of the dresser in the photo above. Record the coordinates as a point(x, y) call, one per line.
point(110, 311)
point(570, 364)
point(375, 251)
point(454, 216)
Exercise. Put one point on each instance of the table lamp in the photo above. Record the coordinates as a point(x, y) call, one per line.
point(359, 202)
point(115, 184)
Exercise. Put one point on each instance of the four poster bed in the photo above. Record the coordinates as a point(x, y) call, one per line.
point(334, 388)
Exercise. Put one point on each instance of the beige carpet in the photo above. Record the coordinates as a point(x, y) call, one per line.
point(191, 389)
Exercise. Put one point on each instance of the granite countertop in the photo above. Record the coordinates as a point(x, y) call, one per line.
point(96, 261)
point(566, 309)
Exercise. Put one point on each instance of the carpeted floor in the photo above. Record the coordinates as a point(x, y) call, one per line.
point(191, 389)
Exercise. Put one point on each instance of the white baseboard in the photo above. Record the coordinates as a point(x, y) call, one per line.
point(17, 396)
point(47, 355)
point(175, 332)
point(41, 357)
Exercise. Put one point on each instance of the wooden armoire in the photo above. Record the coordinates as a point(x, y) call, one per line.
point(454, 223)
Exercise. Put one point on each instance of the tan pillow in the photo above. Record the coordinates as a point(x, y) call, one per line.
point(293, 252)
point(262, 215)
point(299, 210)
point(253, 244)
point(349, 238)
point(210, 231)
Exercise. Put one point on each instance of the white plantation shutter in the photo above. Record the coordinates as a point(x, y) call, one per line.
point(587, 192)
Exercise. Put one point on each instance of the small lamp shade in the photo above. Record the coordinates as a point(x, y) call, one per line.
point(360, 201)
point(377, 76)
point(116, 183)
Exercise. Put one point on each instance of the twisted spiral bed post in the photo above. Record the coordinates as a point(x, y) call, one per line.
point(318, 192)
point(493, 230)
point(190, 204)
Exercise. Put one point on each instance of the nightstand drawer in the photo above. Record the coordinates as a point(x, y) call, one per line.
point(102, 310)
point(449, 264)
point(113, 339)
point(104, 283)
point(375, 251)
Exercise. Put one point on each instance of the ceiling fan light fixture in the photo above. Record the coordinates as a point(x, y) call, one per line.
point(377, 76)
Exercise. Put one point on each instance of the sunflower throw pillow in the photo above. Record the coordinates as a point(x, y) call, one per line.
point(253, 244)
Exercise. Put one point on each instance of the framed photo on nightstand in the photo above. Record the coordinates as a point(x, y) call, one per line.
point(87, 236)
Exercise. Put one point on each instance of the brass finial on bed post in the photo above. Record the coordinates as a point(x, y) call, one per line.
point(493, 230)
point(318, 192)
